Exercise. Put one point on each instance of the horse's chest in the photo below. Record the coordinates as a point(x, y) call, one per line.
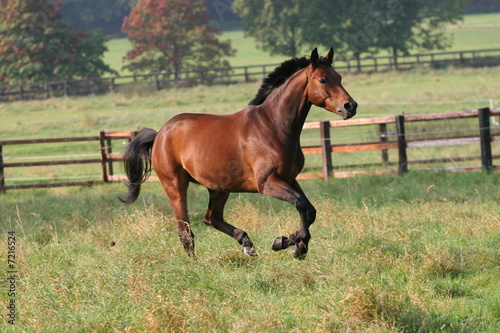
point(291, 162)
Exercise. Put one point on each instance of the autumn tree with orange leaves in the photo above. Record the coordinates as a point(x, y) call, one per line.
point(36, 46)
point(173, 36)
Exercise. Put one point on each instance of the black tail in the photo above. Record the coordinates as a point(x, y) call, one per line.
point(137, 162)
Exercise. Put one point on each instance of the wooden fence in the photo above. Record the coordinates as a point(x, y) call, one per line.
point(231, 75)
point(400, 141)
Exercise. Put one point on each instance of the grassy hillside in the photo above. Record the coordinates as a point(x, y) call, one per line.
point(475, 32)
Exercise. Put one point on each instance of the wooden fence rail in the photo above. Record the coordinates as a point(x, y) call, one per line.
point(327, 148)
point(230, 75)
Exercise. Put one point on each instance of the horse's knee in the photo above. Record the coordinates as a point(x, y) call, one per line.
point(307, 211)
point(311, 214)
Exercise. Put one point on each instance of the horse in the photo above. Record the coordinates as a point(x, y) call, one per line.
point(254, 150)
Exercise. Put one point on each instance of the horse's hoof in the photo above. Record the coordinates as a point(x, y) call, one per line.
point(280, 243)
point(250, 251)
point(299, 251)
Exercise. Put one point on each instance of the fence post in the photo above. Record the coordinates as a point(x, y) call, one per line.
point(382, 134)
point(485, 135)
point(102, 141)
point(247, 79)
point(109, 150)
point(2, 178)
point(326, 149)
point(157, 81)
point(112, 85)
point(403, 160)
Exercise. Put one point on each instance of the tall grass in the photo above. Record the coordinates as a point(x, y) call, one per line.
point(388, 254)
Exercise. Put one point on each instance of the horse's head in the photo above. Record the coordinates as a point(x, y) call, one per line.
point(325, 87)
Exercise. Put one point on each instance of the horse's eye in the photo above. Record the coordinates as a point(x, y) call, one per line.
point(323, 80)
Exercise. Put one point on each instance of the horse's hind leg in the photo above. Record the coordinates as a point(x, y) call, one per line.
point(215, 218)
point(176, 191)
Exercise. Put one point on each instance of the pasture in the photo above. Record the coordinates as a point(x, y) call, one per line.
point(475, 32)
point(389, 254)
point(418, 253)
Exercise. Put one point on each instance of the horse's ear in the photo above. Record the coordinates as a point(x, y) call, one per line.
point(314, 57)
point(329, 56)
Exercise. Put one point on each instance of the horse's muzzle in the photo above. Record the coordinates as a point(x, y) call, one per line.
point(349, 110)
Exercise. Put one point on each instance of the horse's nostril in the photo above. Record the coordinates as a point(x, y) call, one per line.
point(351, 106)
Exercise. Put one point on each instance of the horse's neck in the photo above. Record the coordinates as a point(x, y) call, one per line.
point(288, 105)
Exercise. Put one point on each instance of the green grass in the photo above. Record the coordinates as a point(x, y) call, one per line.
point(475, 32)
point(379, 94)
point(388, 254)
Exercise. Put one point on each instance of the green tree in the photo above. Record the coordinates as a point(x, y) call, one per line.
point(173, 35)
point(36, 46)
point(277, 25)
point(353, 27)
point(106, 15)
point(403, 25)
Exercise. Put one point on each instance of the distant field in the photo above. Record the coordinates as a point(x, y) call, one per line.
point(379, 94)
point(477, 31)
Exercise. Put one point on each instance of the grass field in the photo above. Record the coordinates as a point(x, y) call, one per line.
point(388, 254)
point(475, 32)
point(418, 253)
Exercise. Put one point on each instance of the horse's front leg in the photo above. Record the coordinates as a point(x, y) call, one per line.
point(292, 193)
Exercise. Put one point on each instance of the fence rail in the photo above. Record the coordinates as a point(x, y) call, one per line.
point(401, 142)
point(231, 75)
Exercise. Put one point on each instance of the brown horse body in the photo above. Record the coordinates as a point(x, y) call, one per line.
point(254, 150)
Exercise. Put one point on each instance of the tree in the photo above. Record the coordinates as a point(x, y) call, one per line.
point(106, 15)
point(416, 24)
point(173, 35)
point(353, 27)
point(276, 24)
point(36, 46)
point(347, 25)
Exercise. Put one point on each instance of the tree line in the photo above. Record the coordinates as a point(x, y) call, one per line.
point(43, 40)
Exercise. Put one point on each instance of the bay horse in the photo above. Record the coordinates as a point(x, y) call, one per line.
point(254, 150)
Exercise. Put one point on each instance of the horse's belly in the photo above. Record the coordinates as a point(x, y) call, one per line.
point(231, 176)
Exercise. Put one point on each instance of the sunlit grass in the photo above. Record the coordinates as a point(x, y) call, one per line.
point(388, 254)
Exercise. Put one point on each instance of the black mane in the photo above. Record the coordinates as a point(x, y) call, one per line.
point(280, 74)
